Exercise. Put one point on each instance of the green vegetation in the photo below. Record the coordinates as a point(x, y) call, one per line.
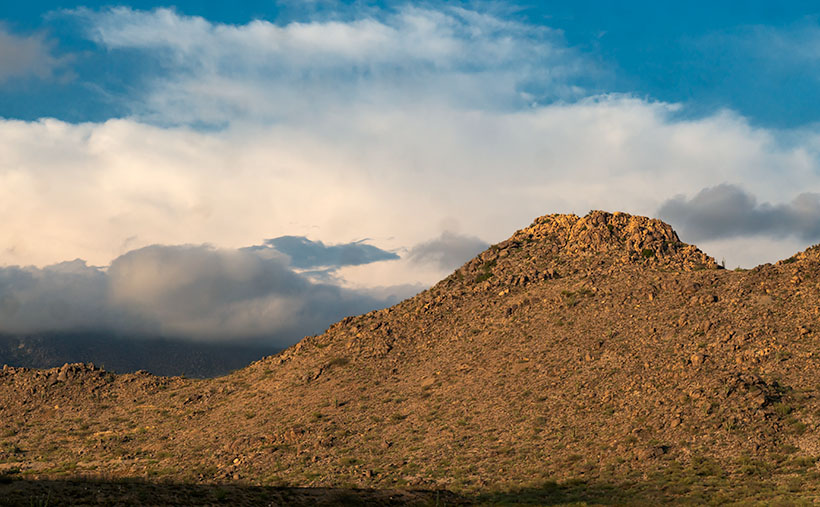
point(486, 271)
point(572, 298)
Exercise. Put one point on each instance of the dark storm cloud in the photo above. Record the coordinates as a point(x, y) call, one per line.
point(306, 254)
point(727, 211)
point(201, 291)
point(448, 251)
point(68, 295)
point(196, 292)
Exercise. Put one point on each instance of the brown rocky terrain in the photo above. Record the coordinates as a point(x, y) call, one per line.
point(592, 359)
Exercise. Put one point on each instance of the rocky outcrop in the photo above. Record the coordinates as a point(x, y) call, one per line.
point(627, 237)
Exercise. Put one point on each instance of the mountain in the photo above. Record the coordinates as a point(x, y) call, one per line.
point(586, 359)
point(160, 356)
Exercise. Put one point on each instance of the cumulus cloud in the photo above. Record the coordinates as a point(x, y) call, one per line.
point(217, 73)
point(727, 211)
point(448, 251)
point(196, 292)
point(307, 254)
point(24, 56)
point(135, 185)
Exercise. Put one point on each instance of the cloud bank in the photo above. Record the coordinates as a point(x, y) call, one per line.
point(135, 184)
point(189, 291)
point(727, 211)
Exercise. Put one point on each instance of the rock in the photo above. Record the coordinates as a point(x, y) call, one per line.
point(651, 452)
point(62, 375)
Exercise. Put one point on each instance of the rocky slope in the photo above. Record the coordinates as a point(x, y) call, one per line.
point(592, 358)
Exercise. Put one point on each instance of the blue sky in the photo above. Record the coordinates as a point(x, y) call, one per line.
point(149, 152)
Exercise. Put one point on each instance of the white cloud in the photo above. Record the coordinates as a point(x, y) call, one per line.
point(217, 73)
point(95, 191)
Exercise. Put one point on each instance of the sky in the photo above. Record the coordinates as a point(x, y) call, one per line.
point(220, 172)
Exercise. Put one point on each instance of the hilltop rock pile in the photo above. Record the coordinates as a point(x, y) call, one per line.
point(566, 244)
point(629, 238)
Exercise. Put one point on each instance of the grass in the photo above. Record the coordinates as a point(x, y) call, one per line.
point(12, 449)
point(486, 271)
point(782, 409)
point(572, 298)
point(483, 276)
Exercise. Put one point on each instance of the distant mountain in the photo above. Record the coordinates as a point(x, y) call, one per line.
point(167, 357)
point(585, 360)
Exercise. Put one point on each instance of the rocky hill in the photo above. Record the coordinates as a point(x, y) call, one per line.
point(586, 359)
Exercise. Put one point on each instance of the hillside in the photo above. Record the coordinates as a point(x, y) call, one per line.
point(592, 358)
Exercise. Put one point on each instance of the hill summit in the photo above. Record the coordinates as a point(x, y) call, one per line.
point(628, 237)
point(598, 240)
point(593, 358)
